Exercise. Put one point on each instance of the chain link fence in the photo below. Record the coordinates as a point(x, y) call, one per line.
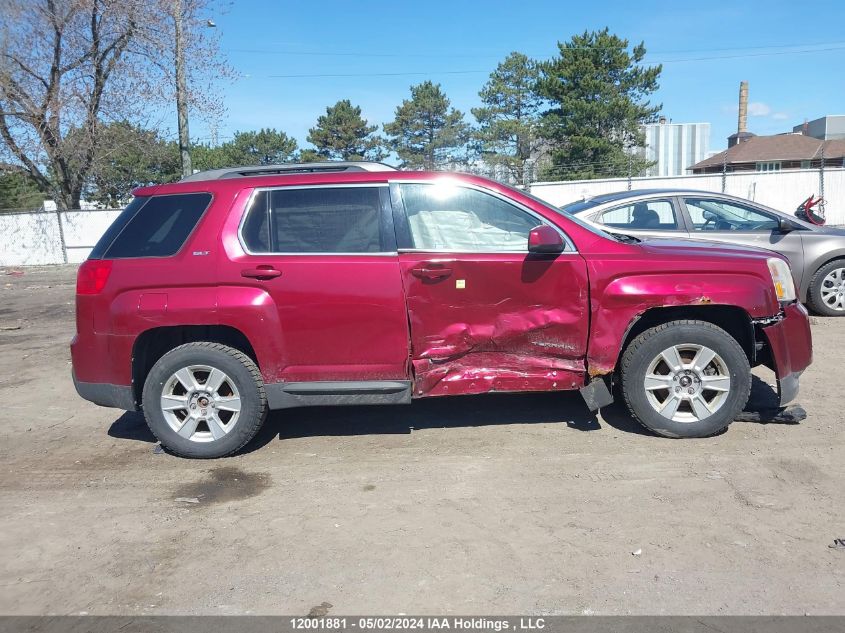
point(781, 190)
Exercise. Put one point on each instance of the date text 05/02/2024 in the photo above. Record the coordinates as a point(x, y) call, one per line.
point(398, 623)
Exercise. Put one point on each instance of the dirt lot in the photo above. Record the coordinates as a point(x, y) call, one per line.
point(504, 504)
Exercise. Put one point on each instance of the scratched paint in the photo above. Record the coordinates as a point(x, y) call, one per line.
point(504, 332)
point(483, 372)
point(519, 322)
point(518, 325)
point(620, 296)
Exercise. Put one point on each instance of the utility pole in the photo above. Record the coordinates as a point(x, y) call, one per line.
point(821, 172)
point(181, 93)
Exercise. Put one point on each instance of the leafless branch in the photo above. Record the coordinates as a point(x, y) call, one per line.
point(68, 65)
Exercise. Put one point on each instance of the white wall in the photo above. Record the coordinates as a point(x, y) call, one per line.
point(674, 147)
point(782, 190)
point(33, 238)
point(83, 229)
point(30, 239)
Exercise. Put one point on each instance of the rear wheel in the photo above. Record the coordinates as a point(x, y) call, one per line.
point(204, 400)
point(827, 289)
point(685, 379)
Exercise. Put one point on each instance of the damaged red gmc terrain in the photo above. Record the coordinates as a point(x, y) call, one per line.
point(211, 300)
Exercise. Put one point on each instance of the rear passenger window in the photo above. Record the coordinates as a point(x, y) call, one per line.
point(152, 227)
point(646, 215)
point(315, 220)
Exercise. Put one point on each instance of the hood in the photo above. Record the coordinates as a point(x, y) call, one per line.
point(704, 248)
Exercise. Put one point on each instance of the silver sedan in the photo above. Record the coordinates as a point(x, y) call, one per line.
point(816, 253)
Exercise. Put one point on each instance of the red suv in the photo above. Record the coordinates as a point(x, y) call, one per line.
point(211, 300)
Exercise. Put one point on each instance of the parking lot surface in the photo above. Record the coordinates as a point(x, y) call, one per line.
point(499, 504)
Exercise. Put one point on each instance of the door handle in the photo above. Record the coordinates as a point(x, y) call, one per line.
point(261, 272)
point(431, 271)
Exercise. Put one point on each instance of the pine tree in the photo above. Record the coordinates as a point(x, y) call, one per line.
point(267, 146)
point(598, 93)
point(18, 190)
point(343, 134)
point(264, 147)
point(426, 128)
point(507, 133)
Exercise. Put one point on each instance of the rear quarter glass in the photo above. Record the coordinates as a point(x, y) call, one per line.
point(155, 226)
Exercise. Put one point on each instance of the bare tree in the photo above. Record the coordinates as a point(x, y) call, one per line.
point(190, 73)
point(68, 65)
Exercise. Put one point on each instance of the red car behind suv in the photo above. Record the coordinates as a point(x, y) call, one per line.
point(211, 300)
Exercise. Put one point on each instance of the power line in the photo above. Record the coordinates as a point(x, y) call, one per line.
point(399, 74)
point(474, 72)
point(696, 59)
point(747, 48)
point(311, 53)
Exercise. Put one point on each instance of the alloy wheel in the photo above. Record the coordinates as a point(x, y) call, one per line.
point(833, 289)
point(200, 403)
point(687, 383)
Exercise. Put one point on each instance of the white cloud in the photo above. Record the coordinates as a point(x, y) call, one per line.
point(758, 108)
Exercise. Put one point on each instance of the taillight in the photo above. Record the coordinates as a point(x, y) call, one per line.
point(92, 276)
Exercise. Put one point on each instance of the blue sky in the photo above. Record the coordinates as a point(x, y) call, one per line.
point(758, 41)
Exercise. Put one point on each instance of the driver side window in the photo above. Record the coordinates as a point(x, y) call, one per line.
point(445, 217)
point(713, 214)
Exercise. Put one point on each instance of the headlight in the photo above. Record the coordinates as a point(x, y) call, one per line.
point(782, 279)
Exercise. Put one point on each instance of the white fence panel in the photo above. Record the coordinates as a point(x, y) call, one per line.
point(782, 190)
point(83, 229)
point(30, 239)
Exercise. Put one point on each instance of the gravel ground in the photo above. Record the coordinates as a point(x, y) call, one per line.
point(500, 504)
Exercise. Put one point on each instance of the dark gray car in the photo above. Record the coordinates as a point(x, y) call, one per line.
point(816, 253)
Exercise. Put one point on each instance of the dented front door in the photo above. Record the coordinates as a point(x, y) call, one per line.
point(483, 320)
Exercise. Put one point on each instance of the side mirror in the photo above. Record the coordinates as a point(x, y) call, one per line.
point(544, 239)
point(785, 226)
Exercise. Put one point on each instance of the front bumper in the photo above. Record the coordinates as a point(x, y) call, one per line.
point(790, 349)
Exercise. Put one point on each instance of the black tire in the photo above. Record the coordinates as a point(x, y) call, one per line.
point(647, 346)
point(814, 292)
point(232, 362)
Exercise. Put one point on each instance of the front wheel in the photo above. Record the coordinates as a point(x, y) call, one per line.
point(685, 379)
point(204, 400)
point(826, 294)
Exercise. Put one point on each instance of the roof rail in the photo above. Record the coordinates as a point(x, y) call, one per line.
point(292, 168)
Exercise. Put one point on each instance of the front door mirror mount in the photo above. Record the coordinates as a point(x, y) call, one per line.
point(785, 226)
point(545, 240)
